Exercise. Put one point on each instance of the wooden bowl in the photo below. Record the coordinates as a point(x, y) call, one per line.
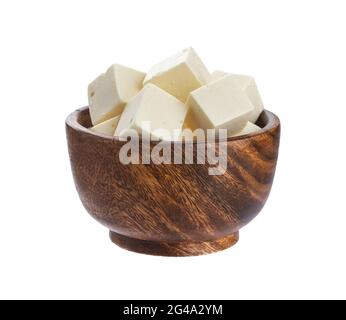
point(172, 209)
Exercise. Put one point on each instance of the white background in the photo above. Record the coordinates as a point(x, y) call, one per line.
point(51, 50)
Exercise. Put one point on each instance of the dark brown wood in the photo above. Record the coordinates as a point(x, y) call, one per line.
point(171, 209)
point(176, 249)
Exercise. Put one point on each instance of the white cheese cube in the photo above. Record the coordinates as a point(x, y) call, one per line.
point(109, 93)
point(220, 104)
point(107, 127)
point(179, 74)
point(217, 74)
point(154, 107)
point(188, 125)
point(248, 84)
point(249, 128)
point(190, 122)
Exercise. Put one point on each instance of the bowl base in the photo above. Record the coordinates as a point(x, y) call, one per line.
point(174, 249)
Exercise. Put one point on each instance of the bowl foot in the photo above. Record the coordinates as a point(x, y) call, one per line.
point(174, 249)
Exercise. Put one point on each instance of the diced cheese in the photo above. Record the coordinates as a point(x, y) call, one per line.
point(179, 74)
point(190, 122)
point(248, 84)
point(217, 74)
point(249, 128)
point(109, 93)
point(107, 127)
point(154, 107)
point(220, 104)
point(189, 126)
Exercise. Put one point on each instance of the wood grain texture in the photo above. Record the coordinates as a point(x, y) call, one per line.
point(174, 249)
point(171, 209)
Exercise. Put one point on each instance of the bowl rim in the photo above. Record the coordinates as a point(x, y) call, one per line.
point(72, 122)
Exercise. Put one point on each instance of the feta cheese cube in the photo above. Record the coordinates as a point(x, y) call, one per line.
point(179, 74)
point(220, 104)
point(249, 128)
point(107, 127)
point(217, 74)
point(109, 93)
point(154, 107)
point(248, 85)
